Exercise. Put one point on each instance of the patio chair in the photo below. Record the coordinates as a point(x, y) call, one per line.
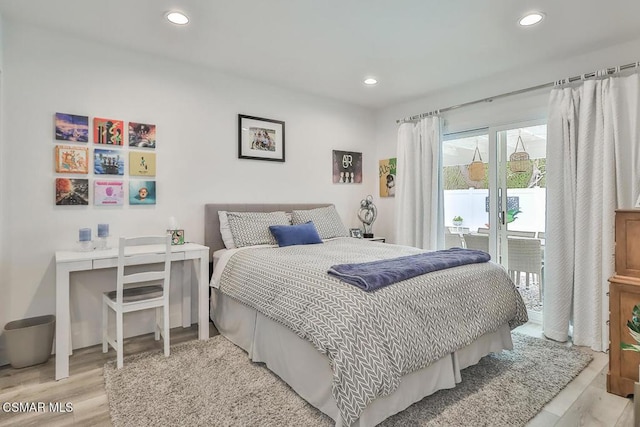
point(517, 233)
point(477, 241)
point(525, 256)
point(452, 240)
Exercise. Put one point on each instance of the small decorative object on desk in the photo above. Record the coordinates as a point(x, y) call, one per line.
point(103, 234)
point(177, 237)
point(84, 240)
point(367, 214)
point(457, 221)
point(177, 234)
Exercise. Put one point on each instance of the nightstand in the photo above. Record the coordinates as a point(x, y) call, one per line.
point(376, 239)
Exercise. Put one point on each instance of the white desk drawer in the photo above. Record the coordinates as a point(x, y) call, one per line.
point(105, 263)
point(113, 262)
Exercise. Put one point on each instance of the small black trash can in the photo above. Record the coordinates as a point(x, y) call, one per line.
point(29, 341)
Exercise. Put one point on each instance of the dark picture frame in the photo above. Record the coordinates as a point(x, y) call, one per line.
point(347, 167)
point(260, 138)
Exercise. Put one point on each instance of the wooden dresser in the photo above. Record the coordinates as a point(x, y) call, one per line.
point(624, 294)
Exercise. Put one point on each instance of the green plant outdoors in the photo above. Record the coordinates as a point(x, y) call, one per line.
point(457, 218)
point(634, 329)
point(512, 215)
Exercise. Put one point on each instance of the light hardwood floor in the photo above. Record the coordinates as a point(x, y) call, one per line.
point(584, 402)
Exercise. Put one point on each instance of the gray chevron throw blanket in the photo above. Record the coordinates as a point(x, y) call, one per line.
point(372, 339)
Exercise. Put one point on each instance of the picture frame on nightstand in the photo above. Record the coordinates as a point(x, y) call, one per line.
point(355, 232)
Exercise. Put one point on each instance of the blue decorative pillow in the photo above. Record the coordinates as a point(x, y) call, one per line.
point(299, 234)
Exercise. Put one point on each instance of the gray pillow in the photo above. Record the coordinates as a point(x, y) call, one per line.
point(327, 221)
point(252, 228)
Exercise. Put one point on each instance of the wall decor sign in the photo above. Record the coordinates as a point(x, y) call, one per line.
point(70, 191)
point(260, 139)
point(142, 163)
point(108, 131)
point(108, 162)
point(142, 135)
point(70, 127)
point(108, 193)
point(347, 167)
point(387, 173)
point(72, 159)
point(142, 192)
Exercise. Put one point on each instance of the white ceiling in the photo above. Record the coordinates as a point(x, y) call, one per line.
point(413, 47)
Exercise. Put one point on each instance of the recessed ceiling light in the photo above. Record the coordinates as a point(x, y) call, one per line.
point(177, 18)
point(370, 81)
point(531, 19)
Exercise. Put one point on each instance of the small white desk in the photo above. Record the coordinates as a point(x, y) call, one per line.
point(69, 261)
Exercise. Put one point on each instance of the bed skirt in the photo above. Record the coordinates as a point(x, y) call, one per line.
point(307, 371)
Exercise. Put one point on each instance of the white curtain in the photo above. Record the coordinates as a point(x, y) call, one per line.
point(419, 207)
point(592, 169)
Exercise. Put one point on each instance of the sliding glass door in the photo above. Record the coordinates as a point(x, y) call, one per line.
point(494, 200)
point(466, 187)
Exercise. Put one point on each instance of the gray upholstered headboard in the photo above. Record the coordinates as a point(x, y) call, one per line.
point(212, 237)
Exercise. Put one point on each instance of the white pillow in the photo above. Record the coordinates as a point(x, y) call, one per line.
point(225, 230)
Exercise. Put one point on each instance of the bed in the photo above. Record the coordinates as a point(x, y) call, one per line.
point(399, 366)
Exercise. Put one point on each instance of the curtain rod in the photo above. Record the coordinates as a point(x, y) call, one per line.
point(610, 70)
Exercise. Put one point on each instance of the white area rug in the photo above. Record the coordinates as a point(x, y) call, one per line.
point(213, 383)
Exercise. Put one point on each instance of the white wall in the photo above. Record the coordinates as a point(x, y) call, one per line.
point(195, 110)
point(4, 243)
point(528, 106)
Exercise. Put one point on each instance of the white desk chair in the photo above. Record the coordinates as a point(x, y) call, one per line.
point(154, 293)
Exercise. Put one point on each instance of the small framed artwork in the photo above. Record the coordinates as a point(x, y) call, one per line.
point(387, 172)
point(142, 135)
point(355, 232)
point(347, 167)
point(108, 131)
point(70, 127)
point(108, 162)
point(142, 192)
point(72, 159)
point(108, 193)
point(260, 139)
point(142, 163)
point(70, 191)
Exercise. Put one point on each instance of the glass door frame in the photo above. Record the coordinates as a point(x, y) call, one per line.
point(498, 157)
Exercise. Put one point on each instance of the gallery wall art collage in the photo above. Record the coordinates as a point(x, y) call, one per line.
point(105, 159)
